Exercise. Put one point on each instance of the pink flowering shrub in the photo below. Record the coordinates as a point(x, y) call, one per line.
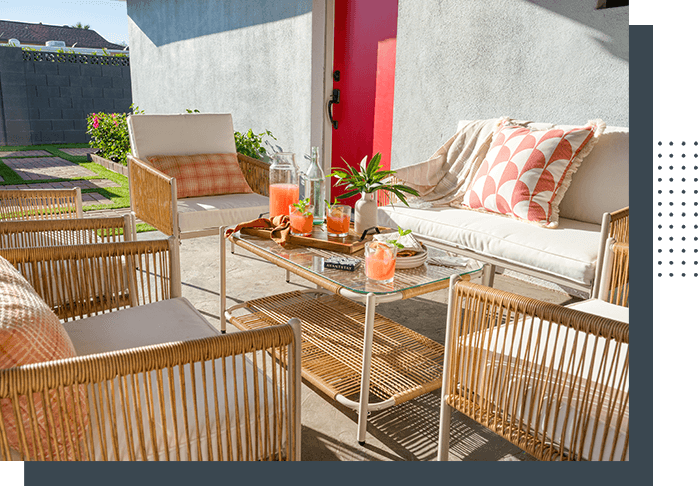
point(109, 134)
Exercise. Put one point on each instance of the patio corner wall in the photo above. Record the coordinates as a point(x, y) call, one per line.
point(561, 62)
point(46, 97)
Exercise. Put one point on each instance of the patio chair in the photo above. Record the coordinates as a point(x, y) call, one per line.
point(154, 194)
point(614, 286)
point(152, 380)
point(28, 204)
point(552, 380)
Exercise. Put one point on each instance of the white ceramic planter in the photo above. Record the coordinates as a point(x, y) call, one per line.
point(365, 213)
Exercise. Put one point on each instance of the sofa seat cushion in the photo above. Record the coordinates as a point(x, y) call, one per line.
point(199, 213)
point(604, 309)
point(171, 321)
point(569, 251)
point(535, 381)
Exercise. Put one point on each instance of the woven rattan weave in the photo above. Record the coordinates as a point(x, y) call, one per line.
point(404, 364)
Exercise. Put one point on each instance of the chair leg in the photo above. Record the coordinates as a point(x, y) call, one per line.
point(444, 431)
point(221, 265)
point(176, 269)
point(488, 271)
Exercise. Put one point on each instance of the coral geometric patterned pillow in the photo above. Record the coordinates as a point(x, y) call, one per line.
point(31, 333)
point(203, 174)
point(526, 172)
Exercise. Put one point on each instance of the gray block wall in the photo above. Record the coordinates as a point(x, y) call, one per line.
point(46, 99)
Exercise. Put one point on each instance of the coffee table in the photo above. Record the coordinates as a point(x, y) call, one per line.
point(342, 340)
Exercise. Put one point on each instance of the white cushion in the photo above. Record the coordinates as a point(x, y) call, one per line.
point(161, 322)
point(181, 134)
point(569, 251)
point(601, 185)
point(605, 309)
point(198, 213)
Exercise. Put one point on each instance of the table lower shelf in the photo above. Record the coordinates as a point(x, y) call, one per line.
point(404, 363)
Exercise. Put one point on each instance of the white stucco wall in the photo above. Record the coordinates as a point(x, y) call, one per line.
point(252, 59)
point(544, 60)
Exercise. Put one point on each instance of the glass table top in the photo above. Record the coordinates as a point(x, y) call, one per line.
point(438, 267)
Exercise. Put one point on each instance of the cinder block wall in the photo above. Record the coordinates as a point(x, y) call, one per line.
point(47, 97)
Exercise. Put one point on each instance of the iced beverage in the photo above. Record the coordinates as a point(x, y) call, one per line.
point(338, 218)
point(281, 196)
point(301, 222)
point(380, 261)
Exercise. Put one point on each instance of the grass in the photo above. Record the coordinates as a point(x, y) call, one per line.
point(118, 195)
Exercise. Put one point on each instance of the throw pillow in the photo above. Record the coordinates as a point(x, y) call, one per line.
point(526, 172)
point(203, 174)
point(31, 333)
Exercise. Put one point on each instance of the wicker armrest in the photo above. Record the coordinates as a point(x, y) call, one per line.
point(256, 173)
point(619, 226)
point(28, 204)
point(153, 195)
point(50, 232)
point(134, 405)
point(528, 370)
point(84, 280)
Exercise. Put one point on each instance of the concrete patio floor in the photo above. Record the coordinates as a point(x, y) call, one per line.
point(406, 432)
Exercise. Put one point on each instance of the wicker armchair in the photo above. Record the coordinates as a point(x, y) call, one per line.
point(28, 204)
point(614, 286)
point(552, 380)
point(154, 194)
point(153, 380)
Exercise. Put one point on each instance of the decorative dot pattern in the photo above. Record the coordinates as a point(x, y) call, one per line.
point(676, 214)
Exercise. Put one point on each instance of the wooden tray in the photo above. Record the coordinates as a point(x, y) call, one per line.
point(318, 239)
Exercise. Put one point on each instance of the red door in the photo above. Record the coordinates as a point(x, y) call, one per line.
point(364, 55)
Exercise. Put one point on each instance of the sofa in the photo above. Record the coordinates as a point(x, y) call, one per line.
point(134, 372)
point(594, 207)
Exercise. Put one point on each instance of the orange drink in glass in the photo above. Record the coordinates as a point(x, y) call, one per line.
point(379, 262)
point(338, 218)
point(301, 219)
point(281, 196)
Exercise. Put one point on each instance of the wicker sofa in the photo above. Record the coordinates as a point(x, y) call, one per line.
point(594, 207)
point(151, 379)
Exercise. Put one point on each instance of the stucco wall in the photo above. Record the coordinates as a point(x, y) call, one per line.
point(543, 60)
point(252, 59)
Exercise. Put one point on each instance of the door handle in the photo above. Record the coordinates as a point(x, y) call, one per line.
point(333, 99)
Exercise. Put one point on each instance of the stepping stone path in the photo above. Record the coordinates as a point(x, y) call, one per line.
point(41, 165)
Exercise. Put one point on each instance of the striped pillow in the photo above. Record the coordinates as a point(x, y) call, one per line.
point(203, 174)
point(526, 172)
point(31, 333)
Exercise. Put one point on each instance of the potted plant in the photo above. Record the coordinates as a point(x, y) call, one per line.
point(366, 182)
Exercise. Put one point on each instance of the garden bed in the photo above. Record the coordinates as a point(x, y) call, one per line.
point(108, 164)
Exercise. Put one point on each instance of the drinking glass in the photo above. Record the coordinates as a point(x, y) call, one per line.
point(379, 262)
point(338, 217)
point(301, 222)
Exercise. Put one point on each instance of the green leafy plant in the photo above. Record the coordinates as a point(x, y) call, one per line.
point(192, 111)
point(109, 134)
point(331, 205)
point(303, 207)
point(369, 179)
point(250, 144)
point(401, 232)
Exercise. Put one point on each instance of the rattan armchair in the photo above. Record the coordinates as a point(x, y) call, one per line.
point(180, 391)
point(552, 380)
point(614, 286)
point(28, 204)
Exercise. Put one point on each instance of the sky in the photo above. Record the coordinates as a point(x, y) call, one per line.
point(107, 17)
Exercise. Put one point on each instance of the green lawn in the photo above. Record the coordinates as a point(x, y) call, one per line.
point(118, 195)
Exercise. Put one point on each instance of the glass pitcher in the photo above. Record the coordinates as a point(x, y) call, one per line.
point(283, 183)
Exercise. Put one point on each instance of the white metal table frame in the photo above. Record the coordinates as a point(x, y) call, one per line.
point(371, 300)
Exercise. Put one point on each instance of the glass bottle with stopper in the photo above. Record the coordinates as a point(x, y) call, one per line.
point(315, 186)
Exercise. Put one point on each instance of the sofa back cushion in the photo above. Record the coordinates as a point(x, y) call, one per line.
point(203, 174)
point(31, 333)
point(182, 134)
point(601, 184)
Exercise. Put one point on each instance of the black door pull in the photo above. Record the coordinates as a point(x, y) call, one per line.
point(333, 99)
